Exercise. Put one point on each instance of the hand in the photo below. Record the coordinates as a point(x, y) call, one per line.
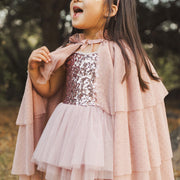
point(38, 56)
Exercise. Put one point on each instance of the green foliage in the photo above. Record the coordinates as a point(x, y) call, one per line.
point(167, 65)
point(168, 69)
point(19, 35)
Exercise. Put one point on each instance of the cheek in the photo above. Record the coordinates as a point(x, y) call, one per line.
point(94, 8)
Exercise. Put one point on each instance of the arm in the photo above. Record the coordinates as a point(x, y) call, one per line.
point(56, 80)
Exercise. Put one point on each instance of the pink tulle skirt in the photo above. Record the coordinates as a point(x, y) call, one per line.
point(76, 144)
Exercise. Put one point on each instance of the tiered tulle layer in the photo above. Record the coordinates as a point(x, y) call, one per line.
point(76, 144)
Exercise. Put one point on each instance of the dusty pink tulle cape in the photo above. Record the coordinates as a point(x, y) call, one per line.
point(142, 147)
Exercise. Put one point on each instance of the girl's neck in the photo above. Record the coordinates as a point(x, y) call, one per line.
point(93, 34)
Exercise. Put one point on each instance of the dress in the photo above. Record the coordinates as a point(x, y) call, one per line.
point(77, 142)
point(141, 143)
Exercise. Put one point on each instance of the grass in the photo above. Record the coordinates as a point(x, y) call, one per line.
point(8, 134)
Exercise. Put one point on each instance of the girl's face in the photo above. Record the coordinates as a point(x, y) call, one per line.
point(88, 14)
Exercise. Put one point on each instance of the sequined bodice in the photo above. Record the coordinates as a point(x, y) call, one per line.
point(80, 79)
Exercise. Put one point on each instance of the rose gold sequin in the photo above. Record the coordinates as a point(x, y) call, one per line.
point(80, 77)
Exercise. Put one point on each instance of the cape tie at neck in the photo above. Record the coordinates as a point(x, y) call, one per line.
point(85, 42)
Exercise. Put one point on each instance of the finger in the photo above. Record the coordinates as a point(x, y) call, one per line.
point(36, 59)
point(42, 57)
point(42, 52)
point(45, 49)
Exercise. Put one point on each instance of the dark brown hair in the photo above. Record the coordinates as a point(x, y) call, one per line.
point(124, 26)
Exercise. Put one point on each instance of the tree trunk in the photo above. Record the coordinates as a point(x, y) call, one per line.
point(50, 17)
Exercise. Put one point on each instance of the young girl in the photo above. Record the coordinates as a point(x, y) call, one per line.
point(93, 109)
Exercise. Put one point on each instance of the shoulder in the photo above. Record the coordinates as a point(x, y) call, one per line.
point(77, 37)
point(73, 39)
point(120, 49)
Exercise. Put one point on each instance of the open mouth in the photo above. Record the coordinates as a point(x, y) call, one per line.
point(77, 10)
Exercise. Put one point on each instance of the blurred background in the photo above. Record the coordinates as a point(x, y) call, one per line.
point(28, 24)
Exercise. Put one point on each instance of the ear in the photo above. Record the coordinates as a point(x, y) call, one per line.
point(114, 10)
